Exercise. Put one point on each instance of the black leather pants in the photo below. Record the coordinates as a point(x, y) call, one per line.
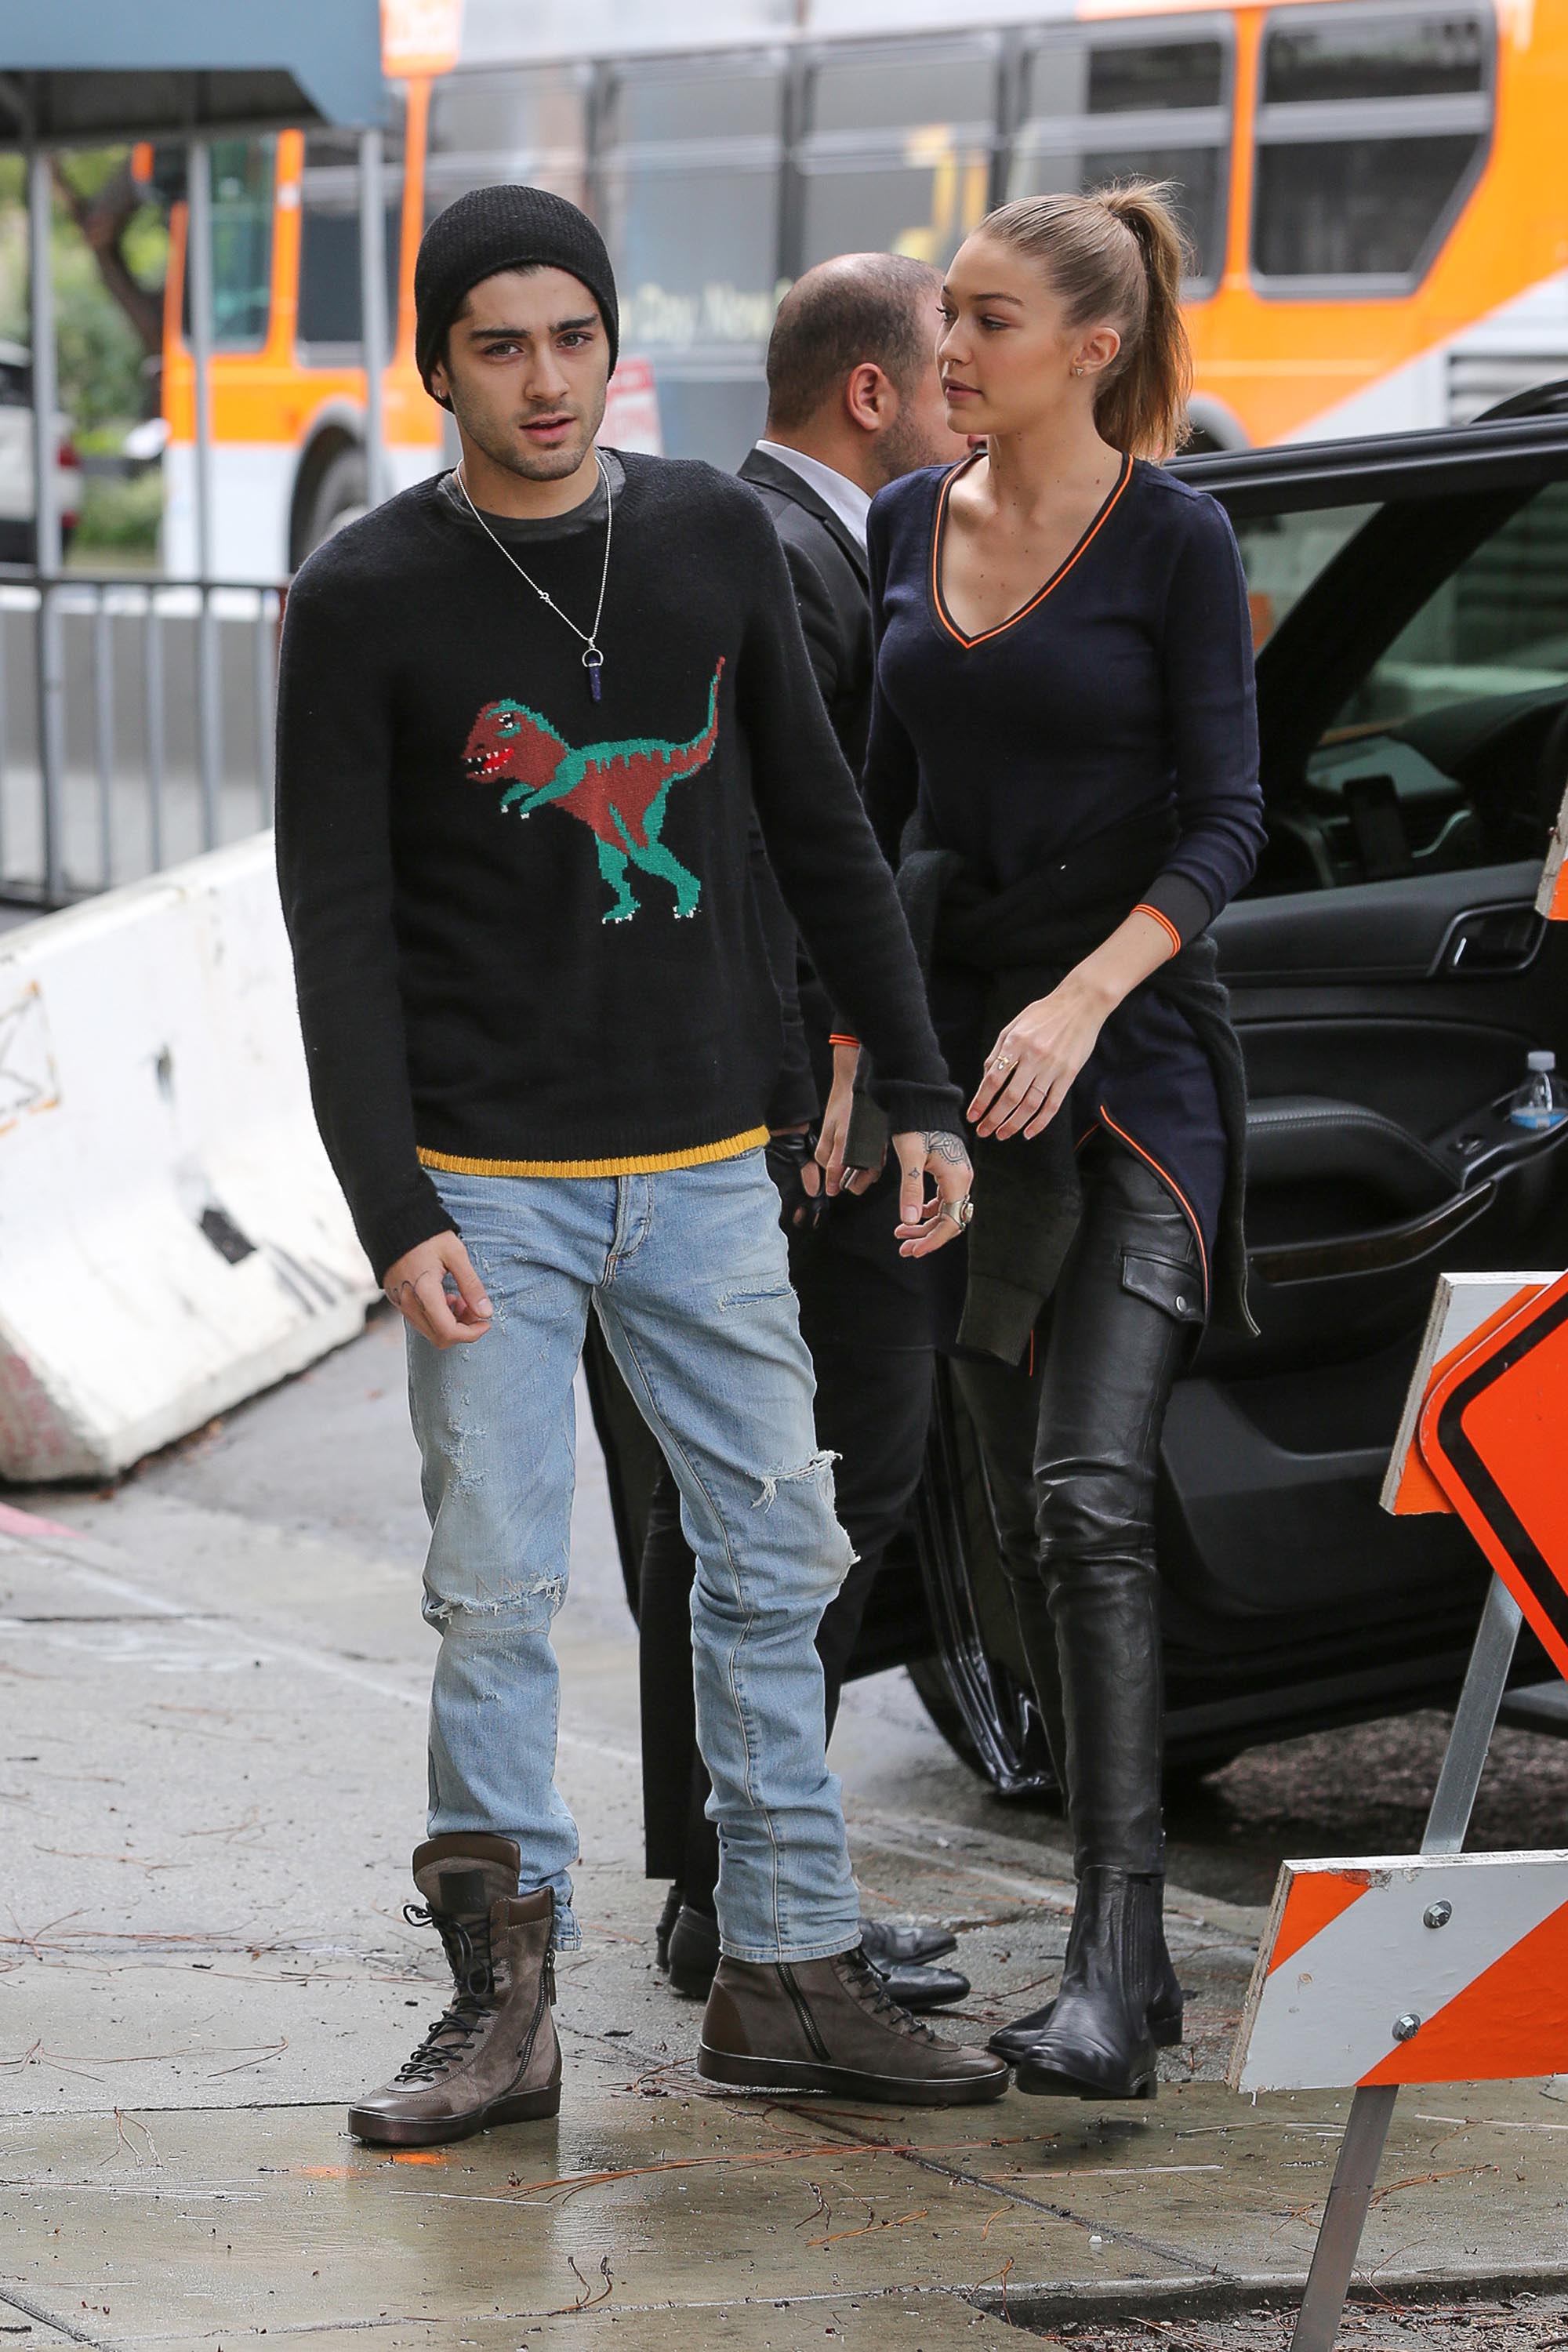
point(1126, 1313)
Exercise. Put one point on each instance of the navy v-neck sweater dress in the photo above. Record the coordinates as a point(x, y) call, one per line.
point(1118, 702)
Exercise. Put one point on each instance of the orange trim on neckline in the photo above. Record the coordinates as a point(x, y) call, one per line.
point(1171, 1184)
point(1143, 907)
point(1064, 567)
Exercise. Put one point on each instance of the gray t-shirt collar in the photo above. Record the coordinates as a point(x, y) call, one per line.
point(520, 531)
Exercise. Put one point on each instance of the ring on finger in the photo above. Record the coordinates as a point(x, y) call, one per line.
point(959, 1212)
point(1002, 1063)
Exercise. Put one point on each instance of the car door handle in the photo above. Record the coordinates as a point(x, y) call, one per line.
point(1488, 941)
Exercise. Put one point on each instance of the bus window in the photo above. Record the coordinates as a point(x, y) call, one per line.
point(899, 148)
point(1369, 128)
point(693, 98)
point(1124, 106)
point(329, 313)
point(529, 124)
point(691, 217)
point(689, 162)
point(242, 176)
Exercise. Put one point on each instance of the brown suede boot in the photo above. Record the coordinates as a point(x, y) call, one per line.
point(829, 2025)
point(493, 2057)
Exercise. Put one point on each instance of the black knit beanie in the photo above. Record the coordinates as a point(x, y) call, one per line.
point(503, 228)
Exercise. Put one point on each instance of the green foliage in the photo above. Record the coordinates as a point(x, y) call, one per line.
point(102, 374)
point(120, 518)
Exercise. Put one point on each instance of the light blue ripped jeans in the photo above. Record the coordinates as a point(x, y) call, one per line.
point(688, 1275)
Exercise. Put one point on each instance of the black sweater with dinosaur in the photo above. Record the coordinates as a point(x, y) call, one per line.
point(587, 992)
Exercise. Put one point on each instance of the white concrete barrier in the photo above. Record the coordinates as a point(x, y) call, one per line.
point(171, 1238)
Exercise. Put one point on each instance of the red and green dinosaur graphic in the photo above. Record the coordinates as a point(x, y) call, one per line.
point(617, 790)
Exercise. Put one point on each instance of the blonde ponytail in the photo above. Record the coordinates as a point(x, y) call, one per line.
point(1117, 255)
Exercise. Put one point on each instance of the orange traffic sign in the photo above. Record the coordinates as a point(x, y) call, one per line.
point(1491, 1435)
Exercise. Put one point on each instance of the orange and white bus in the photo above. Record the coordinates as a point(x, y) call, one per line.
point(1374, 191)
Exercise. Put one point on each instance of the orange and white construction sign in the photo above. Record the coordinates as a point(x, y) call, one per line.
point(1409, 1969)
point(1552, 898)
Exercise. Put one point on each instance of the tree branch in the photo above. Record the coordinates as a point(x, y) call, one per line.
point(102, 221)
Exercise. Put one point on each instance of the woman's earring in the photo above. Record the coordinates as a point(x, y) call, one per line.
point(1078, 367)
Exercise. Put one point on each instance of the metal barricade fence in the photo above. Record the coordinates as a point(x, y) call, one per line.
point(135, 726)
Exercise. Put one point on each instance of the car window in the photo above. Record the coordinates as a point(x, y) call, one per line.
point(1497, 627)
point(1283, 554)
point(1450, 750)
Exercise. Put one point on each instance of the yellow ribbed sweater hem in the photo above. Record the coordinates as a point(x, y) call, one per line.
point(643, 1164)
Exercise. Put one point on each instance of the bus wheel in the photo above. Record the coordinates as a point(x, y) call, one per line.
point(340, 496)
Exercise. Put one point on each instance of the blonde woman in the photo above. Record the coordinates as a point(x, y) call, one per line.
point(1064, 747)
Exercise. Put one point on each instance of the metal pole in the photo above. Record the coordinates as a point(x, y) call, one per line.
point(1475, 1720)
point(46, 552)
point(1372, 2111)
point(199, 269)
point(373, 312)
point(4, 739)
point(263, 652)
point(153, 715)
point(103, 728)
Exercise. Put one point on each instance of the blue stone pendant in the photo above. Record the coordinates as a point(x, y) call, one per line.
point(594, 662)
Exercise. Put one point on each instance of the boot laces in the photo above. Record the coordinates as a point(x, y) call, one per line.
point(870, 1988)
point(466, 1944)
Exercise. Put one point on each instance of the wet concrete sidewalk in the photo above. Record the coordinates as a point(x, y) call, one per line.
point(210, 1777)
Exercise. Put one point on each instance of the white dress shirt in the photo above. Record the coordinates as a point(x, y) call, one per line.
point(848, 501)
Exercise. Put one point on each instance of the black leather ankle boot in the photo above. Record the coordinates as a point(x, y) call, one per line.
point(1099, 2042)
point(1015, 2041)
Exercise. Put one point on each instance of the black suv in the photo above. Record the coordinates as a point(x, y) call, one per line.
point(1388, 976)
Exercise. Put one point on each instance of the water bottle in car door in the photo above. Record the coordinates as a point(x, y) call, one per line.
point(1541, 1102)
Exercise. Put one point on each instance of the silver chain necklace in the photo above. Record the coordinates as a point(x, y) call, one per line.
point(593, 659)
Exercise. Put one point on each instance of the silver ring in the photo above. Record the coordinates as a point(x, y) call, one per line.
point(959, 1212)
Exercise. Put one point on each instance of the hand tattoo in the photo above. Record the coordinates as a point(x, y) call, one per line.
point(940, 1145)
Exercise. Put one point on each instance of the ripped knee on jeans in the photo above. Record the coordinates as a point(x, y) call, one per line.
point(526, 1608)
point(818, 1471)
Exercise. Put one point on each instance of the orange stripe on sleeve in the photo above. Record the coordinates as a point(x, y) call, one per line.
point(1143, 907)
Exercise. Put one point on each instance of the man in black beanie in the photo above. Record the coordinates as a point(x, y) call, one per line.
point(540, 1059)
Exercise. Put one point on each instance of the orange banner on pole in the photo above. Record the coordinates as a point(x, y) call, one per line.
point(420, 37)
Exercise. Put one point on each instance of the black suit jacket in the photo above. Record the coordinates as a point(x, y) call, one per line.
point(827, 569)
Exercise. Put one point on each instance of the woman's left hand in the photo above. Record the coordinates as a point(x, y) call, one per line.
point(1030, 1070)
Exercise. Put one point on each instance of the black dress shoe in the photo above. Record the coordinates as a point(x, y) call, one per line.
point(667, 1919)
point(693, 1952)
point(694, 1959)
point(1098, 2044)
point(922, 1989)
point(887, 1946)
